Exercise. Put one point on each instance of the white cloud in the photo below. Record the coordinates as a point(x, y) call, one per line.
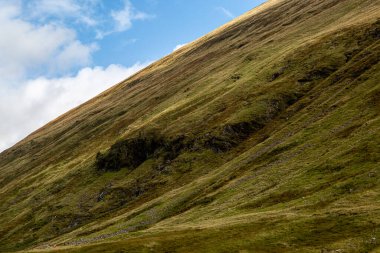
point(81, 11)
point(43, 64)
point(179, 46)
point(27, 47)
point(74, 54)
point(54, 7)
point(226, 12)
point(91, 13)
point(9, 8)
point(123, 18)
point(38, 101)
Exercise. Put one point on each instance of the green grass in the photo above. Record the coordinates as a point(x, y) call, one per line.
point(281, 110)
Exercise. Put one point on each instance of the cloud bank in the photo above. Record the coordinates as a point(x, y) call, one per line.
point(26, 48)
point(45, 69)
point(38, 101)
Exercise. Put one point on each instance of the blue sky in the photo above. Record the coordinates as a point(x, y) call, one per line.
point(162, 24)
point(56, 54)
point(173, 22)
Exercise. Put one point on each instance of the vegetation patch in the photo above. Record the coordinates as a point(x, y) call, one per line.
point(128, 153)
point(132, 152)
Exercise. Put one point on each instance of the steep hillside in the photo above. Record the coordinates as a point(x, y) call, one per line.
point(262, 136)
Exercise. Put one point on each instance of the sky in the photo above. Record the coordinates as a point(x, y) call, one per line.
point(57, 54)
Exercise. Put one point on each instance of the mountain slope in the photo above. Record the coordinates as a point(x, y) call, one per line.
point(262, 136)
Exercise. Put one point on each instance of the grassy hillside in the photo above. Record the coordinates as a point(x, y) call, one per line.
point(262, 136)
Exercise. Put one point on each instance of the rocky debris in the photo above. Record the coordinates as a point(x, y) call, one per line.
point(103, 192)
point(317, 74)
point(235, 77)
point(279, 72)
point(132, 152)
point(82, 241)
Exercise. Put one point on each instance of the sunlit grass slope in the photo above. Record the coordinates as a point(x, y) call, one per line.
point(262, 136)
